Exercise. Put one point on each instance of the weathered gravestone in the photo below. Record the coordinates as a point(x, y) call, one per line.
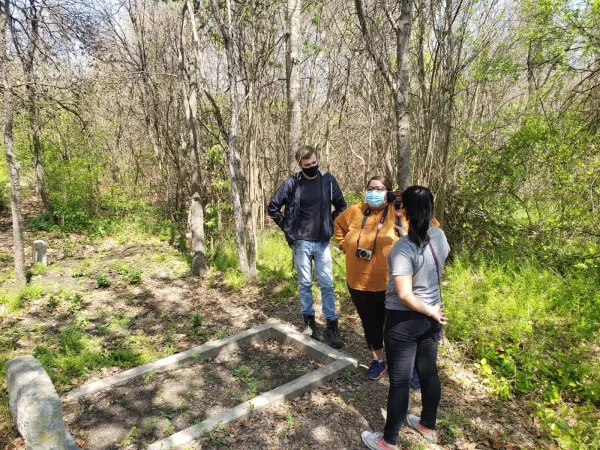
point(35, 406)
point(39, 252)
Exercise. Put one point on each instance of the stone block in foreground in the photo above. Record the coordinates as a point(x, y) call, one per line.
point(35, 405)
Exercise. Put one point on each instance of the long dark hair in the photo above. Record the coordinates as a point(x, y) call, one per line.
point(418, 207)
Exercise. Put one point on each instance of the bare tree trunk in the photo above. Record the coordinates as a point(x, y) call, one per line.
point(422, 108)
point(294, 123)
point(233, 156)
point(397, 80)
point(33, 110)
point(401, 97)
point(189, 80)
point(249, 185)
point(253, 176)
point(13, 165)
point(28, 61)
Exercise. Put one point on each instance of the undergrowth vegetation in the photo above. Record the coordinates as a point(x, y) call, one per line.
point(533, 333)
point(529, 330)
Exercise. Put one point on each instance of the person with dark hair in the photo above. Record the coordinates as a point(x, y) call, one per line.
point(307, 222)
point(370, 226)
point(365, 233)
point(414, 315)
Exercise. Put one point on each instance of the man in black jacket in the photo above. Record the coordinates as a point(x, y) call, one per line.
point(307, 223)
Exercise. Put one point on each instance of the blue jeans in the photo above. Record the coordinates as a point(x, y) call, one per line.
point(305, 252)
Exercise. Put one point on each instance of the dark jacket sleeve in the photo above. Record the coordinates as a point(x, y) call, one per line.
point(277, 201)
point(337, 199)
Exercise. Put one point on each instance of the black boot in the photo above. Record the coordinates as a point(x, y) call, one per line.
point(333, 334)
point(310, 328)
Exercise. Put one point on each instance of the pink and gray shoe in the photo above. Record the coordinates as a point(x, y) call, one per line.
point(373, 440)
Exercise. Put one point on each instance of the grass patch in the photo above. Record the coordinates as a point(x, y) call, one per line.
point(72, 300)
point(118, 320)
point(15, 299)
point(224, 257)
point(6, 258)
point(37, 269)
point(275, 260)
point(532, 332)
point(102, 281)
point(73, 354)
point(130, 274)
point(82, 270)
point(234, 280)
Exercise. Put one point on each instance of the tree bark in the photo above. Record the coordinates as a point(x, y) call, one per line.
point(31, 85)
point(294, 121)
point(401, 97)
point(397, 81)
point(189, 80)
point(11, 160)
point(235, 168)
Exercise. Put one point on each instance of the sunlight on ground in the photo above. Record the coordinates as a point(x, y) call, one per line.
point(322, 433)
point(384, 413)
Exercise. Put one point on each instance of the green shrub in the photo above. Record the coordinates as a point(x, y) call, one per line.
point(14, 299)
point(130, 274)
point(36, 269)
point(6, 258)
point(102, 281)
point(71, 339)
point(234, 280)
point(532, 332)
point(224, 257)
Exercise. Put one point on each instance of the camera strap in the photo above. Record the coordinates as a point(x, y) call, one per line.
point(379, 226)
point(437, 266)
point(437, 269)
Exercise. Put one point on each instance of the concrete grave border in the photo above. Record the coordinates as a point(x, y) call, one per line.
point(334, 362)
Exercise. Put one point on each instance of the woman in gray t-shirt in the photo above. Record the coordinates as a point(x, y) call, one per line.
point(414, 315)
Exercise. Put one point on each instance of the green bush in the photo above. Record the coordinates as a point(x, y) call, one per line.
point(130, 274)
point(14, 299)
point(533, 332)
point(102, 281)
point(530, 330)
point(3, 199)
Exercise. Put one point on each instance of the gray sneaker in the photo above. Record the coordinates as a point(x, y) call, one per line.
point(371, 439)
point(414, 421)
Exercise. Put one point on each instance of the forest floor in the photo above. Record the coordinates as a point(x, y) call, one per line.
point(103, 305)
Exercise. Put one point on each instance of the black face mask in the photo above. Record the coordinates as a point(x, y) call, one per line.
point(311, 172)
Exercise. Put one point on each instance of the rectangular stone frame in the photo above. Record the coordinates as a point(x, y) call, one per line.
point(334, 362)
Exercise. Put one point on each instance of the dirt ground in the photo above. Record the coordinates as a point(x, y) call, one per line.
point(162, 307)
point(156, 405)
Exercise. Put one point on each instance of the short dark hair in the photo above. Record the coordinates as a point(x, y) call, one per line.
point(418, 206)
point(385, 181)
point(305, 152)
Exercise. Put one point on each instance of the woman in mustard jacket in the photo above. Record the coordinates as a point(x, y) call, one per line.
point(366, 233)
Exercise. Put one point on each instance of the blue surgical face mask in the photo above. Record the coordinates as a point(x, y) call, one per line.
point(375, 198)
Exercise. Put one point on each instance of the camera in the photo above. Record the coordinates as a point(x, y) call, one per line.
point(363, 253)
point(394, 197)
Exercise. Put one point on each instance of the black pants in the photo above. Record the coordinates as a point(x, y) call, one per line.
point(411, 338)
point(371, 310)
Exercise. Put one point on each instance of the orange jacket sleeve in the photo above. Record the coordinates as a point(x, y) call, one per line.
point(341, 227)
